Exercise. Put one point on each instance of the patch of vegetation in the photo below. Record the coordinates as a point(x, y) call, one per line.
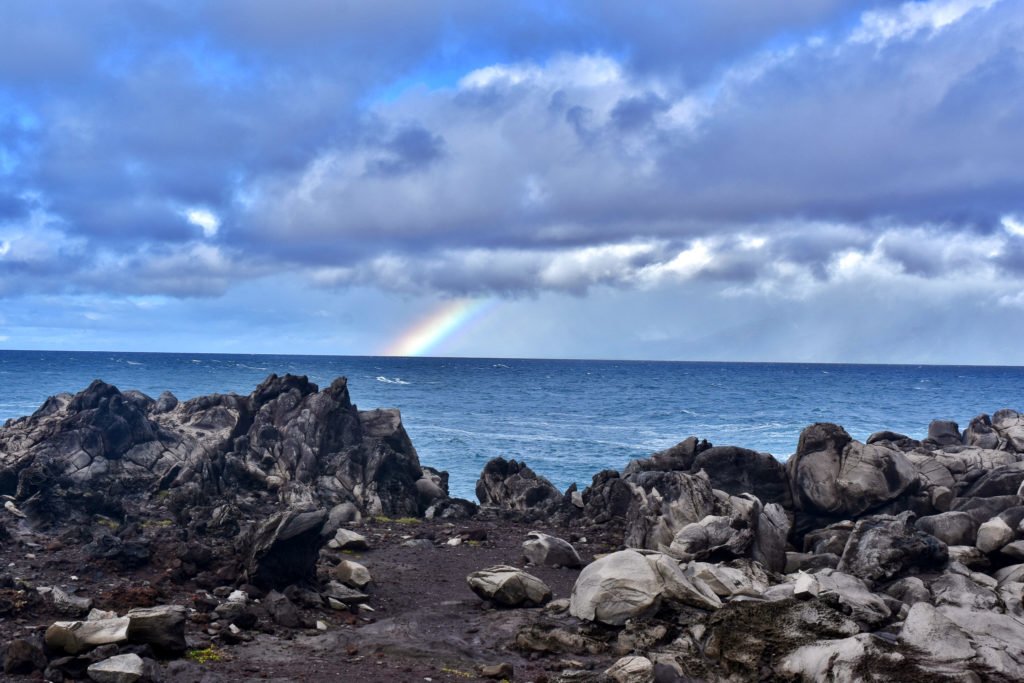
point(381, 519)
point(205, 656)
point(157, 523)
point(456, 672)
point(108, 522)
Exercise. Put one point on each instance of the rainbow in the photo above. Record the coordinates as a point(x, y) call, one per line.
point(444, 323)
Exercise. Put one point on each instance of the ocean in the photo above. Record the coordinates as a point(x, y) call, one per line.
point(568, 419)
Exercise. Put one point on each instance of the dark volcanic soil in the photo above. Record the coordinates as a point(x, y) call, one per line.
point(425, 625)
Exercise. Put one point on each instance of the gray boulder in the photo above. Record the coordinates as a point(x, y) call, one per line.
point(960, 591)
point(928, 630)
point(952, 528)
point(509, 587)
point(1001, 481)
point(943, 433)
point(282, 610)
point(712, 537)
point(346, 539)
point(983, 509)
point(739, 470)
point(831, 539)
point(1009, 424)
point(161, 627)
point(814, 468)
point(22, 656)
point(993, 535)
point(679, 457)
point(663, 503)
point(118, 669)
point(909, 590)
point(857, 599)
point(76, 636)
point(884, 547)
point(831, 474)
point(629, 584)
point(284, 549)
point(998, 640)
point(511, 485)
point(352, 574)
point(543, 550)
point(631, 669)
point(769, 546)
point(980, 434)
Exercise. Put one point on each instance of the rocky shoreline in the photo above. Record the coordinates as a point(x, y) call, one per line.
point(288, 535)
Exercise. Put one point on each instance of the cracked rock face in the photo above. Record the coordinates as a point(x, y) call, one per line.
point(288, 440)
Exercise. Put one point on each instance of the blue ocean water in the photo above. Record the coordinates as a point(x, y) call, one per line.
point(567, 418)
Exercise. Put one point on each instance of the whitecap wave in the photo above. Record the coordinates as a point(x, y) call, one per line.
point(391, 380)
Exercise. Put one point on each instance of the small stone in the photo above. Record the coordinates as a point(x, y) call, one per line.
point(348, 540)
point(238, 596)
point(993, 535)
point(13, 509)
point(631, 670)
point(454, 542)
point(1014, 551)
point(23, 657)
point(344, 594)
point(321, 626)
point(75, 636)
point(545, 550)
point(509, 586)
point(118, 669)
point(503, 670)
point(352, 574)
point(806, 586)
point(67, 603)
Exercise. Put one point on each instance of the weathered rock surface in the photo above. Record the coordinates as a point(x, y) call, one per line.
point(161, 627)
point(75, 636)
point(894, 559)
point(509, 587)
point(545, 550)
point(629, 584)
point(283, 549)
point(101, 449)
point(118, 669)
point(831, 474)
point(952, 528)
point(514, 486)
point(884, 547)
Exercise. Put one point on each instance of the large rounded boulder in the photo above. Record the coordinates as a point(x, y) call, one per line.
point(833, 475)
point(509, 587)
point(630, 584)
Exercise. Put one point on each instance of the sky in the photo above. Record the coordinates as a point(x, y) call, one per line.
point(747, 180)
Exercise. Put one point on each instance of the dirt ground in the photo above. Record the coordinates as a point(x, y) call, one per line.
point(425, 624)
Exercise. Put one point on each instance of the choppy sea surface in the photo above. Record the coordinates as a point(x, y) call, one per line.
point(567, 418)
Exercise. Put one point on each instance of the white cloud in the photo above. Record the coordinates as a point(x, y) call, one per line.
point(882, 26)
point(204, 219)
point(1013, 226)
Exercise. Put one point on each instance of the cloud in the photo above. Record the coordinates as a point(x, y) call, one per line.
point(768, 149)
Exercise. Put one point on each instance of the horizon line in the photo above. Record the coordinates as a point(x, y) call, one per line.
point(528, 358)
